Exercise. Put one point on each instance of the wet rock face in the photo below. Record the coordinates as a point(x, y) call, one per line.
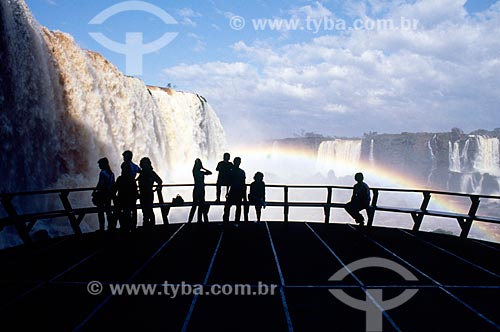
point(453, 161)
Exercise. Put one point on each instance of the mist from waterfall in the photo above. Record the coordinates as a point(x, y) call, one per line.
point(63, 108)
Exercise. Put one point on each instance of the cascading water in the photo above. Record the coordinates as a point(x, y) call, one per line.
point(62, 108)
point(433, 158)
point(454, 157)
point(473, 165)
point(488, 156)
point(340, 156)
point(371, 157)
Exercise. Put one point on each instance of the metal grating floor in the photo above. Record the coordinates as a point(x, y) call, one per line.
point(46, 285)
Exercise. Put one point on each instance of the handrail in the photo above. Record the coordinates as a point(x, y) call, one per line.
point(25, 222)
point(297, 186)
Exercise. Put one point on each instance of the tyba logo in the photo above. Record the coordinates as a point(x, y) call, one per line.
point(133, 49)
point(373, 304)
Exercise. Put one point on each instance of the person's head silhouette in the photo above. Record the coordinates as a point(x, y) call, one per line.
point(258, 177)
point(359, 177)
point(127, 155)
point(226, 156)
point(103, 163)
point(198, 164)
point(145, 164)
point(237, 161)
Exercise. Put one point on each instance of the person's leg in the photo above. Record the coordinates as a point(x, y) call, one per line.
point(237, 215)
point(350, 208)
point(227, 209)
point(145, 211)
point(353, 209)
point(109, 215)
point(203, 208)
point(100, 216)
point(218, 192)
point(191, 212)
point(152, 218)
point(258, 210)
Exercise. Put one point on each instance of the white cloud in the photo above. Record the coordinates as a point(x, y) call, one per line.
point(314, 11)
point(444, 75)
point(188, 12)
point(199, 44)
point(187, 15)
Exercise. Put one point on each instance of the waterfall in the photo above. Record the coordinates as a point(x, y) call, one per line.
point(459, 161)
point(433, 158)
point(371, 157)
point(63, 108)
point(339, 156)
point(487, 159)
point(454, 157)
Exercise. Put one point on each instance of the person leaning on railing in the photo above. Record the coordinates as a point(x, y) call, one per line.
point(102, 194)
point(146, 180)
point(257, 195)
point(360, 199)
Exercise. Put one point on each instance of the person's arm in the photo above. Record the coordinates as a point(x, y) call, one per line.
point(206, 171)
point(158, 180)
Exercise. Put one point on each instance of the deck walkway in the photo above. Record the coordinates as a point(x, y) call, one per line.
point(45, 284)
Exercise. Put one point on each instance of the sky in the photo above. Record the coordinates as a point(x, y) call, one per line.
point(275, 69)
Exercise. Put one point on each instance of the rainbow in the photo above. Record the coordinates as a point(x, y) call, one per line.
point(283, 156)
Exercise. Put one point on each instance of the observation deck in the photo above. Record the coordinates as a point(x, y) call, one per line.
point(289, 267)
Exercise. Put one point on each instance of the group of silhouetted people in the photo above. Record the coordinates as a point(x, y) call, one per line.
point(233, 178)
point(123, 192)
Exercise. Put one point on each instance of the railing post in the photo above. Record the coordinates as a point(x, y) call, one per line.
point(163, 208)
point(328, 205)
point(20, 225)
point(70, 213)
point(286, 208)
point(371, 209)
point(419, 217)
point(425, 202)
point(466, 223)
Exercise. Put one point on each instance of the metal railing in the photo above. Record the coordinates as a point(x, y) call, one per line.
point(24, 222)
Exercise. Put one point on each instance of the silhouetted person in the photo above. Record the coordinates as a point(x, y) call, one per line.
point(134, 170)
point(104, 192)
point(360, 199)
point(224, 178)
point(257, 195)
point(237, 192)
point(146, 180)
point(125, 191)
point(199, 174)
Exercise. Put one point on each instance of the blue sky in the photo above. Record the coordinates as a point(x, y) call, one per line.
point(442, 73)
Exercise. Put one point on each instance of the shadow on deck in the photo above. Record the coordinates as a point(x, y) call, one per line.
point(45, 285)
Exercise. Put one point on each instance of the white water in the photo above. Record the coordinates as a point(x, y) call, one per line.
point(78, 108)
point(371, 158)
point(340, 156)
point(63, 108)
point(487, 159)
point(454, 157)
